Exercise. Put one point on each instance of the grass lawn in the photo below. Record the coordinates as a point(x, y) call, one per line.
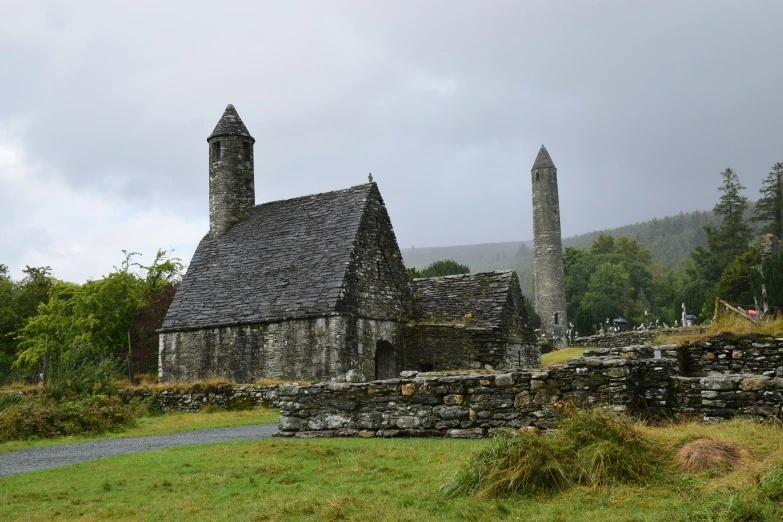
point(161, 425)
point(356, 479)
point(562, 355)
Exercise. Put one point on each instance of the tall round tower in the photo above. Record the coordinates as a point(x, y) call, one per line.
point(232, 190)
point(548, 249)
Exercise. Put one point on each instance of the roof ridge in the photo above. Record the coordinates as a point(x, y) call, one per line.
point(361, 185)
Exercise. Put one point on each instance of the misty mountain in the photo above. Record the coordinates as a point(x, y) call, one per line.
point(670, 239)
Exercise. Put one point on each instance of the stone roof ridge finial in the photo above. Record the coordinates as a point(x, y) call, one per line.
point(543, 160)
point(230, 124)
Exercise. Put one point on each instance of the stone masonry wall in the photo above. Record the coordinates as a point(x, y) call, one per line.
point(632, 338)
point(471, 405)
point(192, 398)
point(710, 380)
point(297, 349)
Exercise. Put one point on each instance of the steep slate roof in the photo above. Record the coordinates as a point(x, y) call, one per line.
point(448, 299)
point(286, 259)
point(230, 124)
point(543, 160)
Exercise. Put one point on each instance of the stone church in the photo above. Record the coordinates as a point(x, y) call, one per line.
point(312, 287)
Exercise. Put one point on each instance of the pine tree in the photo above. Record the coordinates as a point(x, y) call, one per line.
point(769, 208)
point(732, 236)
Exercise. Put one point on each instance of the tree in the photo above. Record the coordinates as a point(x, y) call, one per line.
point(90, 325)
point(439, 268)
point(609, 291)
point(735, 284)
point(769, 208)
point(728, 240)
point(603, 244)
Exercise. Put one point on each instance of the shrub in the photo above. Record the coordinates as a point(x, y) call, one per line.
point(10, 399)
point(591, 449)
point(50, 419)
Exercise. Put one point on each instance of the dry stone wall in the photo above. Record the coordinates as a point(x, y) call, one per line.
point(708, 380)
point(471, 405)
point(632, 338)
point(193, 398)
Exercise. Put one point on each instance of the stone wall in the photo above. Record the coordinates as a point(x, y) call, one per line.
point(296, 349)
point(632, 338)
point(471, 405)
point(721, 355)
point(443, 347)
point(193, 398)
point(709, 380)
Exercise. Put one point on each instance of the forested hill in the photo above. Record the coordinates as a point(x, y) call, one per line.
point(670, 239)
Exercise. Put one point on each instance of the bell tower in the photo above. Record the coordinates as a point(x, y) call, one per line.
point(232, 190)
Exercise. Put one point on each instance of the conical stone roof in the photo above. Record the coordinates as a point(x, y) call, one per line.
point(230, 124)
point(543, 160)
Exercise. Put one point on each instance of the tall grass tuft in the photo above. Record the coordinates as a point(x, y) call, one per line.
point(591, 449)
point(760, 501)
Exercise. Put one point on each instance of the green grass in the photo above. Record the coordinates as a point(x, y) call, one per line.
point(161, 425)
point(562, 355)
point(356, 479)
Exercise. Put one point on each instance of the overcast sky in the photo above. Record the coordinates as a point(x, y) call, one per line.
point(105, 108)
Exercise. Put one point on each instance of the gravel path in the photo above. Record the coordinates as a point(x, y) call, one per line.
point(34, 459)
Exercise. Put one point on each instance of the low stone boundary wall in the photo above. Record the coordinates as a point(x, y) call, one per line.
point(471, 405)
point(717, 379)
point(632, 338)
point(192, 398)
point(725, 396)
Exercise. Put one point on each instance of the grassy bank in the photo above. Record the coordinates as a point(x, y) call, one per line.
point(353, 479)
point(562, 355)
point(162, 425)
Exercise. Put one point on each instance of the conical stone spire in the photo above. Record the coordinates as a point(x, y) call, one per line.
point(543, 160)
point(230, 124)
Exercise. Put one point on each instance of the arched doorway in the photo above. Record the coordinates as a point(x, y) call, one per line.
point(385, 361)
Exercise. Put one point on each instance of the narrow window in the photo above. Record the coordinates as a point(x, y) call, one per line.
point(360, 349)
point(554, 175)
point(556, 314)
point(217, 151)
point(246, 151)
point(536, 176)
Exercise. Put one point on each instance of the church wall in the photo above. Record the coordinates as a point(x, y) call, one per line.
point(301, 349)
point(441, 347)
point(376, 283)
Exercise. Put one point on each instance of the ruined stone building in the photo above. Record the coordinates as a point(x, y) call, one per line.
point(470, 321)
point(548, 249)
point(312, 287)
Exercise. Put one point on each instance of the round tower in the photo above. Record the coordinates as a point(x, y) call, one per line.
point(548, 249)
point(232, 190)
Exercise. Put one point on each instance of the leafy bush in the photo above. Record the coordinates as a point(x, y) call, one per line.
point(50, 419)
point(591, 449)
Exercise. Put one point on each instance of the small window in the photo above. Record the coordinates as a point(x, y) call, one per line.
point(360, 349)
point(556, 314)
point(217, 151)
point(246, 151)
point(554, 175)
point(536, 176)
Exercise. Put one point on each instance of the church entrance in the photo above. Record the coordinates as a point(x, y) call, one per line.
point(385, 361)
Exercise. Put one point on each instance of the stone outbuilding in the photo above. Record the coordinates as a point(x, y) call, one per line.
point(470, 321)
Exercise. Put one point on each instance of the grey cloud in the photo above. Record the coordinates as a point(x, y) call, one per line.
point(640, 105)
